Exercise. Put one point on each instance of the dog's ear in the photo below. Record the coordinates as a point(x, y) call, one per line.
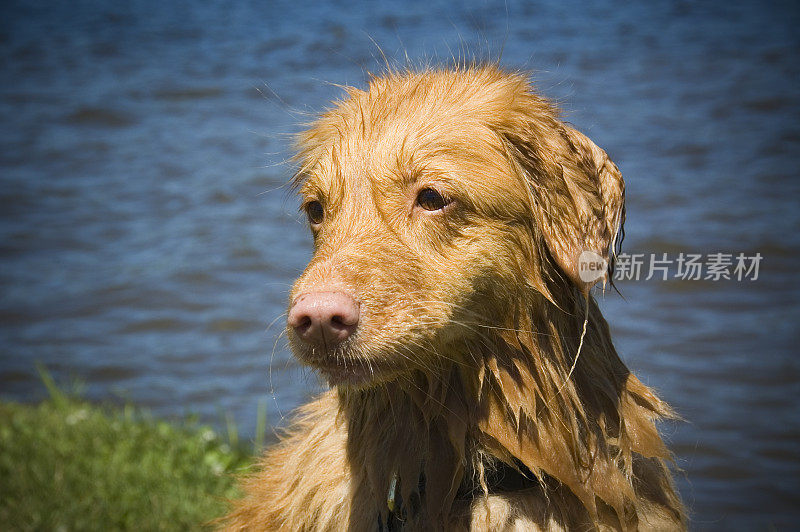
point(578, 198)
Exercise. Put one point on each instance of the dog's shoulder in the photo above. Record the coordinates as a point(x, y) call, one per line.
point(527, 510)
point(302, 482)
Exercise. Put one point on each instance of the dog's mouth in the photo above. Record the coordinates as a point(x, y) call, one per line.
point(342, 368)
point(341, 372)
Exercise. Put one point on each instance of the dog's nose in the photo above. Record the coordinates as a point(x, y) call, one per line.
point(324, 318)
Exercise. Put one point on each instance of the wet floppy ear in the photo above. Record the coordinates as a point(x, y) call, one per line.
point(578, 198)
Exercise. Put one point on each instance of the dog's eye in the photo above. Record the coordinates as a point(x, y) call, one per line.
point(315, 212)
point(431, 200)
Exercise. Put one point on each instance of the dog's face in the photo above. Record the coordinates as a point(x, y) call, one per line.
point(424, 224)
point(406, 227)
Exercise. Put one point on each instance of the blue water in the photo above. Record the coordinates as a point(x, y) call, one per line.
point(147, 240)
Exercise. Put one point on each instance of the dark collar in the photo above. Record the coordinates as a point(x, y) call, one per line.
point(502, 478)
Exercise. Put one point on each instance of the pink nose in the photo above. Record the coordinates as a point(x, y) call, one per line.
point(324, 318)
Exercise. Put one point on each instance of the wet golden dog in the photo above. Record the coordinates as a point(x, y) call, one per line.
point(474, 382)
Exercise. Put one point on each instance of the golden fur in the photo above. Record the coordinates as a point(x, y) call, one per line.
point(471, 320)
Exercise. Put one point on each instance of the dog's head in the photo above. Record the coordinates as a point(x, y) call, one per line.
point(436, 200)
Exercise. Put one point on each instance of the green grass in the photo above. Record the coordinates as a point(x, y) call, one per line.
point(66, 464)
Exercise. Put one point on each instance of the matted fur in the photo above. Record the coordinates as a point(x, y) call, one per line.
point(471, 320)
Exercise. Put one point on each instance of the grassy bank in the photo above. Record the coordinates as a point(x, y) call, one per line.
point(66, 464)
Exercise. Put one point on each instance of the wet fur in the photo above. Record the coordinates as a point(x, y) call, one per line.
point(471, 324)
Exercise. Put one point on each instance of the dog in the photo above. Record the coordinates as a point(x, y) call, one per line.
point(474, 383)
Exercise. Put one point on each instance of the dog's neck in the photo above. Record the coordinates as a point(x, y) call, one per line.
point(424, 437)
point(410, 440)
